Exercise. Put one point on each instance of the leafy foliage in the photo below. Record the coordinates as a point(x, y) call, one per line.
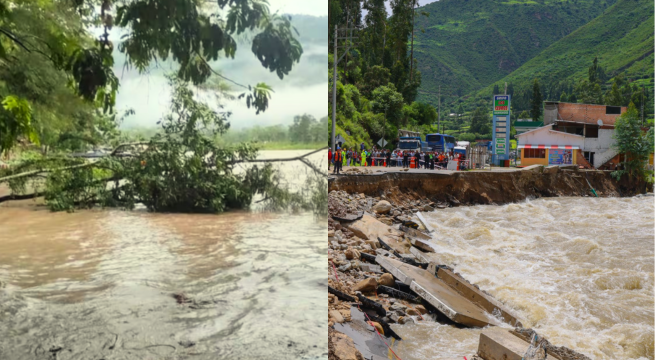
point(377, 84)
point(634, 144)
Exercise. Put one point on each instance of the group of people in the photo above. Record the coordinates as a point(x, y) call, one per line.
point(426, 160)
point(345, 157)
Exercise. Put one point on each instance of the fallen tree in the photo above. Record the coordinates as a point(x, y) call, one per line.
point(178, 170)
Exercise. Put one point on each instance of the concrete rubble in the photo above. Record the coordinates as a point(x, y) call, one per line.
point(382, 272)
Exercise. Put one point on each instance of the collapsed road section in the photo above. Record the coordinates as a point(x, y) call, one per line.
point(384, 274)
point(489, 187)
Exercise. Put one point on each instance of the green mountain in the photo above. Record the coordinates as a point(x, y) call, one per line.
point(621, 37)
point(466, 45)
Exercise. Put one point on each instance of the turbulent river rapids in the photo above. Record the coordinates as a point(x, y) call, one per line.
point(577, 270)
point(99, 284)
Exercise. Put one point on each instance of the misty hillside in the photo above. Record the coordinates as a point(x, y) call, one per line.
point(148, 93)
point(469, 44)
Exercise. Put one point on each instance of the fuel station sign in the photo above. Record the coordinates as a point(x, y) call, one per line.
point(501, 127)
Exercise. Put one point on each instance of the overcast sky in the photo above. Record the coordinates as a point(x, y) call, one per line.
point(303, 91)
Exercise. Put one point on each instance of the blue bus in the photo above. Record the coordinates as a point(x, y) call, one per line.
point(440, 142)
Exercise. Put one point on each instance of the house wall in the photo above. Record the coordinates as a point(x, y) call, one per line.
point(533, 161)
point(544, 136)
point(587, 113)
point(600, 144)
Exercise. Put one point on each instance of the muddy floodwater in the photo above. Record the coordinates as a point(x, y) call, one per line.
point(99, 284)
point(578, 270)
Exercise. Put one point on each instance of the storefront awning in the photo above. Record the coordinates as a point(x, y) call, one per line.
point(567, 147)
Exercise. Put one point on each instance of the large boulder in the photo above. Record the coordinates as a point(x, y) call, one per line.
point(342, 347)
point(335, 316)
point(382, 207)
point(387, 280)
point(370, 228)
point(366, 285)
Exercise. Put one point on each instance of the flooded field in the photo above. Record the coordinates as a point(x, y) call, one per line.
point(100, 284)
point(577, 270)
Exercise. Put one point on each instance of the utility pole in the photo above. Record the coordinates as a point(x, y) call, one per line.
point(384, 43)
point(505, 88)
point(439, 111)
point(411, 58)
point(642, 105)
point(348, 45)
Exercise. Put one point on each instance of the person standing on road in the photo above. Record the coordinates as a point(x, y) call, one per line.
point(337, 161)
point(329, 158)
point(388, 158)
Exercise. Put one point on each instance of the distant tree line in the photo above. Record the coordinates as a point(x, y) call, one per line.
point(305, 129)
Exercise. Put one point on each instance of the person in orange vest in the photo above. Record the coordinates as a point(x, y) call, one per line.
point(338, 161)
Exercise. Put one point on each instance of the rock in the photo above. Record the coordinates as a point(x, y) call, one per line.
point(421, 309)
point(330, 233)
point(377, 326)
point(394, 318)
point(335, 316)
point(382, 207)
point(366, 285)
point(374, 244)
point(386, 221)
point(344, 347)
point(369, 228)
point(186, 343)
point(351, 254)
point(337, 226)
point(427, 208)
point(412, 312)
point(398, 306)
point(387, 280)
point(345, 267)
point(406, 320)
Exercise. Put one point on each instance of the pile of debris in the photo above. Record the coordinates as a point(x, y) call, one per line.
point(382, 263)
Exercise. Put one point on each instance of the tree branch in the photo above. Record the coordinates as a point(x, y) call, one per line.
point(79, 166)
point(219, 75)
point(297, 158)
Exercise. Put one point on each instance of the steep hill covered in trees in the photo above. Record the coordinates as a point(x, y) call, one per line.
point(621, 38)
point(469, 44)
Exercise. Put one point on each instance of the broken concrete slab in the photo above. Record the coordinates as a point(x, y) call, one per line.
point(430, 258)
point(499, 344)
point(474, 295)
point(437, 293)
point(414, 233)
point(421, 244)
point(371, 268)
point(425, 223)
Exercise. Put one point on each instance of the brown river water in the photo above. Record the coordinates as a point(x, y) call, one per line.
point(98, 284)
point(577, 270)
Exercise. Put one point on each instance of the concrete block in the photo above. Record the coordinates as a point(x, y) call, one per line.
point(371, 268)
point(425, 223)
point(421, 244)
point(388, 265)
point(476, 296)
point(437, 293)
point(499, 344)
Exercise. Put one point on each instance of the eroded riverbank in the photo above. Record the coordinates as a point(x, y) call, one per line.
point(577, 270)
